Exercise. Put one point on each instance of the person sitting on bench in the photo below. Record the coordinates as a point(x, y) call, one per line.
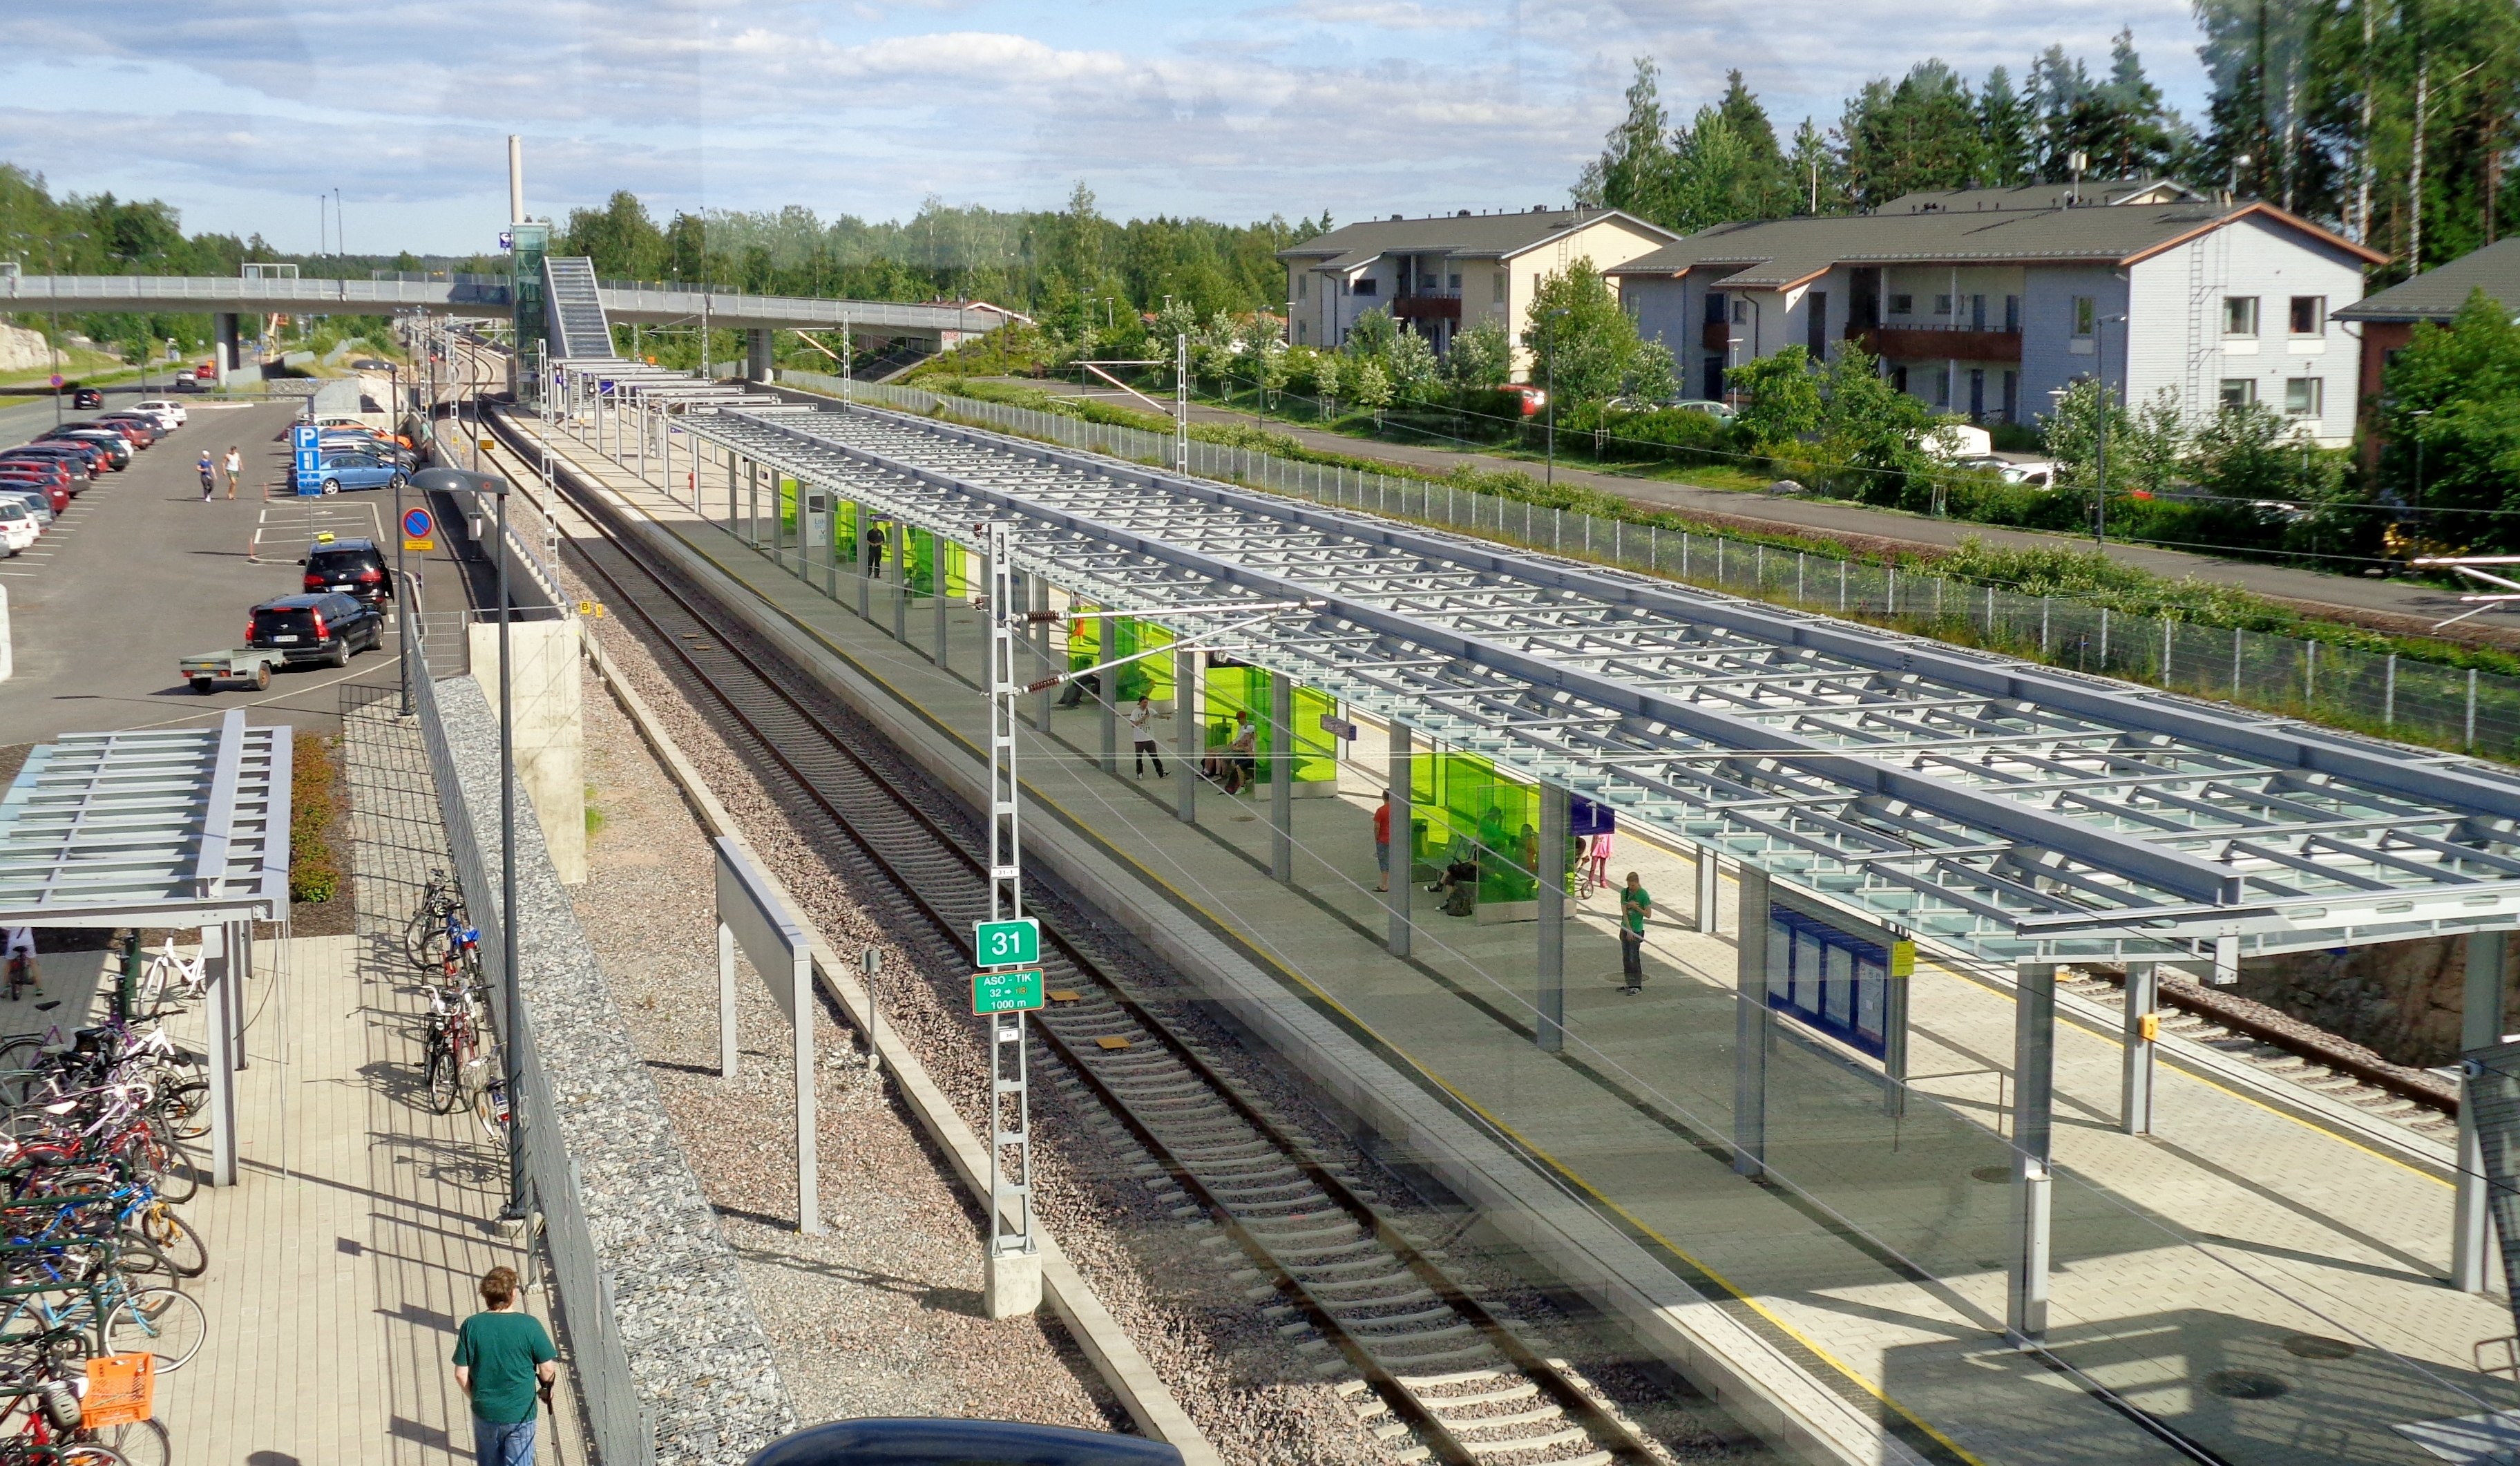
point(1458, 886)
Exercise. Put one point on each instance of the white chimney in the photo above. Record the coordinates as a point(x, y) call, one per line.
point(516, 179)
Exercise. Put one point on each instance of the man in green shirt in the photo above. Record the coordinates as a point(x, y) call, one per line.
point(1636, 903)
point(502, 1358)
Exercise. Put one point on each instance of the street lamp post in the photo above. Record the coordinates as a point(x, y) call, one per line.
point(2100, 450)
point(511, 1047)
point(1549, 399)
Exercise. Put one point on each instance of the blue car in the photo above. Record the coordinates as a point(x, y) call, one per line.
point(359, 471)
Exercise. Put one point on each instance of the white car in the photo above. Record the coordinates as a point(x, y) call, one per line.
point(18, 528)
point(33, 502)
point(2037, 472)
point(173, 414)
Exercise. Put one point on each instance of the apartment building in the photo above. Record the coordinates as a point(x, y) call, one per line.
point(2388, 319)
point(1984, 309)
point(1447, 272)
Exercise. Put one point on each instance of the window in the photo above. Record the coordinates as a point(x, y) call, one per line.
point(1302, 282)
point(1716, 311)
point(1498, 280)
point(1815, 325)
point(1367, 284)
point(2012, 312)
point(1903, 304)
point(1425, 282)
point(2310, 315)
point(1740, 312)
point(2305, 397)
point(2086, 315)
point(1301, 335)
point(1899, 378)
point(2239, 315)
point(2238, 393)
point(1942, 305)
point(1456, 282)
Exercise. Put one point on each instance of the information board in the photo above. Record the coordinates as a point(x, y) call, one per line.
point(1005, 943)
point(1006, 991)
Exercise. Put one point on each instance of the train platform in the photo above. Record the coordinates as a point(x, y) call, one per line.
point(348, 1252)
point(2260, 1279)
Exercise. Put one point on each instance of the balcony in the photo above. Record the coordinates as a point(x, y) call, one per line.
point(1427, 305)
point(1716, 335)
point(1938, 342)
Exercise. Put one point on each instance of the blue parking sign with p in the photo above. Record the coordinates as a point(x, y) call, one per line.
point(309, 466)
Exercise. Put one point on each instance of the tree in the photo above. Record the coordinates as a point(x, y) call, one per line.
point(1482, 357)
point(622, 241)
point(2454, 396)
point(1653, 375)
point(1579, 336)
point(1369, 386)
point(1868, 422)
point(1370, 338)
point(1634, 170)
point(1921, 133)
point(1329, 374)
point(1411, 363)
point(2004, 120)
point(1764, 191)
point(1814, 174)
point(1781, 399)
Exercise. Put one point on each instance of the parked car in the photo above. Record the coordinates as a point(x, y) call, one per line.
point(143, 429)
point(2037, 472)
point(172, 412)
point(35, 501)
point(370, 364)
point(50, 471)
point(18, 527)
point(342, 471)
point(352, 566)
point(324, 626)
point(84, 397)
point(84, 459)
point(129, 432)
point(116, 448)
point(1722, 412)
point(191, 385)
point(1532, 399)
point(52, 496)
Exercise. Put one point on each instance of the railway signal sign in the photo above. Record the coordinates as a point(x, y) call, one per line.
point(1007, 943)
point(1006, 991)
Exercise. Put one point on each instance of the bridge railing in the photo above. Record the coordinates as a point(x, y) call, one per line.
point(48, 291)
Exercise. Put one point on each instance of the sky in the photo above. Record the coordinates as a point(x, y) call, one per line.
point(241, 113)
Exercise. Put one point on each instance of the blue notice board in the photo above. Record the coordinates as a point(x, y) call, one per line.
point(309, 458)
point(1834, 981)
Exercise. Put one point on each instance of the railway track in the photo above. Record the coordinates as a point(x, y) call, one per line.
point(1436, 1373)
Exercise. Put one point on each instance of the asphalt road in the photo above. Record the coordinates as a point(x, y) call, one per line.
point(2401, 605)
point(140, 572)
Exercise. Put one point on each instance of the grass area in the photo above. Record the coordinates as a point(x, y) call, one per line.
point(2085, 576)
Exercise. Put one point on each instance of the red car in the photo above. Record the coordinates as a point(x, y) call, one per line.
point(50, 473)
point(51, 490)
point(1532, 399)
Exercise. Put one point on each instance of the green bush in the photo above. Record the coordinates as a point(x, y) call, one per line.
point(315, 802)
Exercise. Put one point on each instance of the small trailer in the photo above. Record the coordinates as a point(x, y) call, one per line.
point(205, 670)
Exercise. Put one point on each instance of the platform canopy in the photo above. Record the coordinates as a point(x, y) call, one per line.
point(1995, 807)
point(173, 827)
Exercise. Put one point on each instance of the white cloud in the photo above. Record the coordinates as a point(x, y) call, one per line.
point(1231, 109)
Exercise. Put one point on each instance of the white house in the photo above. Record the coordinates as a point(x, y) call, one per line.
point(1983, 309)
point(1451, 272)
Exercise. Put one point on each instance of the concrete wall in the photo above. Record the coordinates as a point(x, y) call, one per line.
point(551, 729)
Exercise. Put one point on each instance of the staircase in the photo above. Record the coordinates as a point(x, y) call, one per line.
point(578, 330)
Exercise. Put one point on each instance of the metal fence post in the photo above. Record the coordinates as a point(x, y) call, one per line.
point(2388, 686)
point(2471, 708)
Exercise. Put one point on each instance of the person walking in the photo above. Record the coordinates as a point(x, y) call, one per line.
point(235, 467)
point(209, 476)
point(1142, 736)
point(1636, 903)
point(1382, 843)
point(504, 1361)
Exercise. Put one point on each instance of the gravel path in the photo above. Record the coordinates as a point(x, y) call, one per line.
point(856, 1322)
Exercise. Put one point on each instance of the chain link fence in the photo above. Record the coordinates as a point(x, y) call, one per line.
point(2341, 687)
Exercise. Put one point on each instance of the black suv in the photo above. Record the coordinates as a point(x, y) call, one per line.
point(326, 627)
point(352, 566)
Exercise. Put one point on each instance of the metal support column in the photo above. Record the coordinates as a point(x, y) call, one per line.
point(1106, 696)
point(1708, 888)
point(1282, 778)
point(1404, 843)
point(938, 584)
point(1549, 1021)
point(727, 1052)
point(1013, 1283)
point(2480, 1025)
point(1751, 1029)
point(2034, 1099)
point(1187, 733)
point(899, 541)
point(1041, 665)
point(862, 528)
point(225, 991)
point(2135, 1088)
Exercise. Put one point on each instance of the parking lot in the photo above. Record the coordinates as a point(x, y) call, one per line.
point(139, 572)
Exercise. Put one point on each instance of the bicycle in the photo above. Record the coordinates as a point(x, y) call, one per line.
point(437, 929)
point(450, 1050)
point(165, 968)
